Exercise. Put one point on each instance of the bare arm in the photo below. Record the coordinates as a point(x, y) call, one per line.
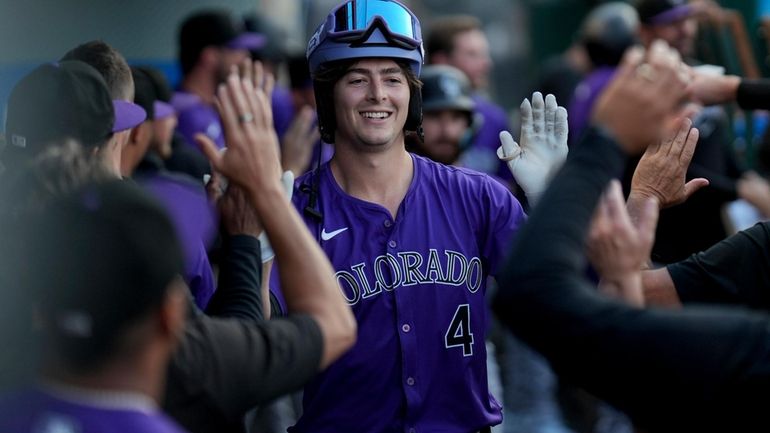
point(251, 161)
point(658, 288)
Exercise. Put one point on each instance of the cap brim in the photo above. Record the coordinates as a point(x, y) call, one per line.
point(162, 110)
point(248, 41)
point(674, 14)
point(127, 115)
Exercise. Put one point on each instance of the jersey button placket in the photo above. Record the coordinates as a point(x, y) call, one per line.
point(405, 327)
point(410, 381)
point(392, 243)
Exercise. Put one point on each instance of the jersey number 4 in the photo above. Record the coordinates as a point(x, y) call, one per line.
point(459, 333)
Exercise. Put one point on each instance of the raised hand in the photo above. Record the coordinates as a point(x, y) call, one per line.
point(660, 174)
point(251, 156)
point(645, 92)
point(619, 249)
point(543, 146)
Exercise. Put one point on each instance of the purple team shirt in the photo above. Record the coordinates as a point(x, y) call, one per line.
point(195, 116)
point(584, 99)
point(36, 411)
point(195, 220)
point(482, 154)
point(416, 285)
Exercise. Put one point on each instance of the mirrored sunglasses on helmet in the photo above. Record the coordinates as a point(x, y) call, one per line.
point(354, 20)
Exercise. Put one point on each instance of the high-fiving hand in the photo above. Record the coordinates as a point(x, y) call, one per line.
point(543, 147)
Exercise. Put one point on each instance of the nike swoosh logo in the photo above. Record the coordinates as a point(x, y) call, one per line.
point(328, 235)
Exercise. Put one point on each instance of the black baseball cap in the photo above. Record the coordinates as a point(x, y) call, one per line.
point(214, 27)
point(161, 91)
point(144, 92)
point(64, 100)
point(445, 87)
point(101, 258)
point(660, 12)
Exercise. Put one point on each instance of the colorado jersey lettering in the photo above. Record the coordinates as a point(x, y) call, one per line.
point(416, 284)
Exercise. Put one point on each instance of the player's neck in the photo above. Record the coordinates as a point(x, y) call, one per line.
point(381, 178)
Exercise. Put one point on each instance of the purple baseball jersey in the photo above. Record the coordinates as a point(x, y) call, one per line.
point(196, 222)
point(482, 154)
point(416, 285)
point(36, 411)
point(584, 98)
point(195, 116)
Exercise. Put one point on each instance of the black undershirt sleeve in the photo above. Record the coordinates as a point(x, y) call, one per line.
point(734, 271)
point(240, 278)
point(669, 370)
point(753, 94)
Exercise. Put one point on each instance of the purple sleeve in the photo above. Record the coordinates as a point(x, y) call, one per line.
point(505, 217)
point(199, 277)
point(483, 152)
point(283, 110)
point(200, 119)
point(583, 101)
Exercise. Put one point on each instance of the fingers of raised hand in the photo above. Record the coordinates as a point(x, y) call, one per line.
point(228, 113)
point(209, 149)
point(538, 113)
point(550, 114)
point(526, 117)
point(616, 206)
point(688, 149)
point(682, 134)
point(561, 125)
point(508, 149)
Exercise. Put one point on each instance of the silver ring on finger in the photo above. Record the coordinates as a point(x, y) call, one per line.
point(246, 117)
point(646, 71)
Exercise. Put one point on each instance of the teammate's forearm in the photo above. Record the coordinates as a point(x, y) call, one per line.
point(307, 277)
point(659, 289)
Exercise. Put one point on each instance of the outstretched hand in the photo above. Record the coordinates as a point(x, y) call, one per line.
point(251, 156)
point(661, 172)
point(543, 147)
point(619, 249)
point(646, 91)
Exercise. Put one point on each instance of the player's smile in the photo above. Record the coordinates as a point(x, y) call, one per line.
point(371, 103)
point(375, 115)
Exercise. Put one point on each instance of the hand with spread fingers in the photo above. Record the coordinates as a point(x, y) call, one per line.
point(543, 146)
point(251, 156)
point(661, 172)
point(619, 249)
point(646, 91)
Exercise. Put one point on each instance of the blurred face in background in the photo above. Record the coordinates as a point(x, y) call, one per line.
point(679, 34)
point(471, 55)
point(444, 131)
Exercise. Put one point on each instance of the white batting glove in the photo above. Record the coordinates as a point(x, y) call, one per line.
point(543, 146)
point(288, 187)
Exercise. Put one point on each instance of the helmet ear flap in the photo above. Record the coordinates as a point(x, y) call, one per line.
point(327, 120)
point(414, 117)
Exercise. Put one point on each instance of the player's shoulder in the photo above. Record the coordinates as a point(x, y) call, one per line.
point(452, 176)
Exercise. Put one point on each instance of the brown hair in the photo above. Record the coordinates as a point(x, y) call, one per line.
point(330, 73)
point(443, 31)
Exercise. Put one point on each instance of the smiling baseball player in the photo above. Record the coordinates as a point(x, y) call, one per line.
point(412, 241)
